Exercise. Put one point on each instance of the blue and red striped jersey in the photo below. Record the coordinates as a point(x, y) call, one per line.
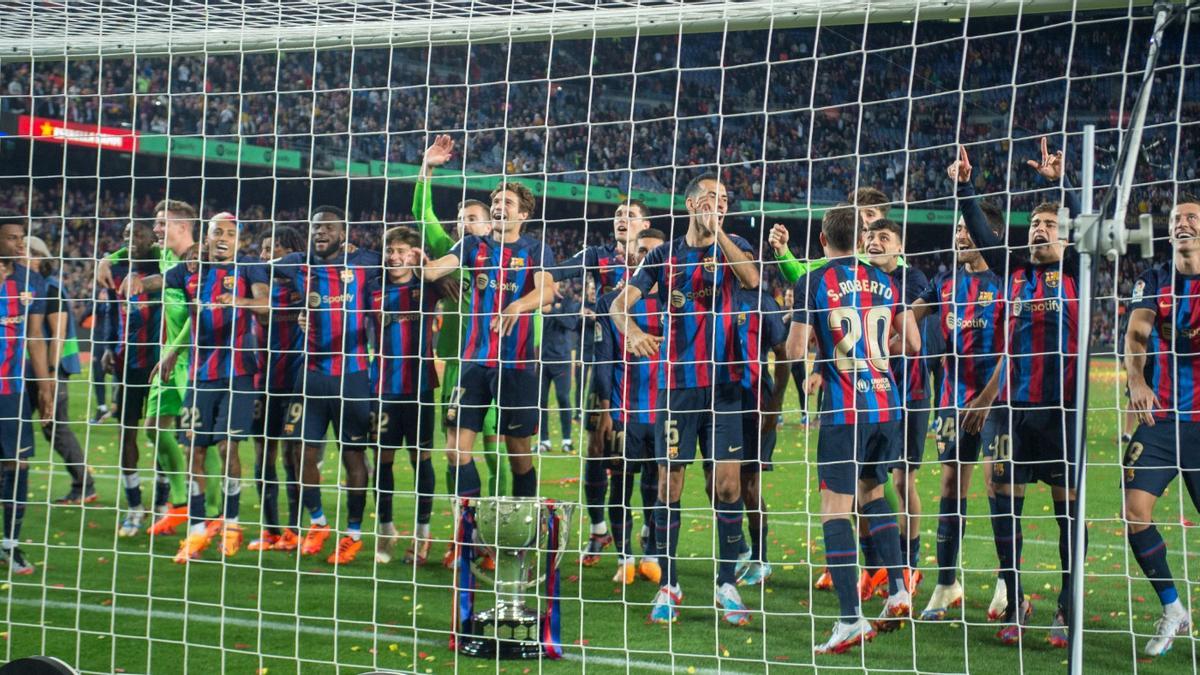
point(604, 264)
point(406, 313)
point(911, 372)
point(337, 293)
point(500, 273)
point(760, 329)
point(285, 340)
point(1173, 352)
point(970, 313)
point(851, 307)
point(225, 339)
point(1043, 333)
point(22, 295)
point(699, 290)
point(629, 382)
point(139, 330)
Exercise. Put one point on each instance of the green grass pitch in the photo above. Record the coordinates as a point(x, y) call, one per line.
point(110, 605)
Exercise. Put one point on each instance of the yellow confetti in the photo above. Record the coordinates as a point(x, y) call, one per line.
point(788, 568)
point(355, 648)
point(749, 641)
point(393, 647)
point(724, 652)
point(691, 669)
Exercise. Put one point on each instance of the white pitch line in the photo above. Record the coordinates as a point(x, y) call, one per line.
point(193, 617)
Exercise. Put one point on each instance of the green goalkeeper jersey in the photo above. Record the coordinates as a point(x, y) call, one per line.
point(174, 302)
point(439, 243)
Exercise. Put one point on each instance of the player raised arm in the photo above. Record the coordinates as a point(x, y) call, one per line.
point(741, 262)
point(1051, 169)
point(1142, 399)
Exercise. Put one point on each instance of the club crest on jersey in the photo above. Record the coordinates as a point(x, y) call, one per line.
point(517, 263)
point(710, 264)
point(986, 298)
point(481, 281)
point(1052, 278)
point(26, 298)
point(314, 300)
point(228, 282)
point(347, 276)
point(597, 333)
point(741, 320)
point(677, 299)
point(1139, 290)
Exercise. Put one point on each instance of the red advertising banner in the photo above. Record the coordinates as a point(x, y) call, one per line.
point(72, 133)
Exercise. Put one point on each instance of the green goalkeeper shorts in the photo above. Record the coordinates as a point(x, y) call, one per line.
point(166, 399)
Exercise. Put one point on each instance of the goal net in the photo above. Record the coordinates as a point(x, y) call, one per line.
point(204, 162)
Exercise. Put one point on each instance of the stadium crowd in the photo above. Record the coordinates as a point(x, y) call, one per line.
point(599, 111)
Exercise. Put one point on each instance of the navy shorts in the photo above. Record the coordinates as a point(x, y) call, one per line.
point(633, 444)
point(343, 401)
point(135, 389)
point(405, 423)
point(700, 420)
point(16, 426)
point(217, 411)
point(1157, 454)
point(516, 391)
point(759, 448)
point(847, 453)
point(916, 428)
point(1038, 446)
point(276, 408)
point(956, 445)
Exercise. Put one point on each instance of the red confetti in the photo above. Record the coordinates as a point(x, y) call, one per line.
point(1095, 618)
point(241, 645)
point(1139, 598)
point(106, 602)
point(574, 579)
point(1036, 596)
point(421, 655)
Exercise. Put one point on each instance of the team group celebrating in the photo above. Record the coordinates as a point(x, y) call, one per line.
point(687, 357)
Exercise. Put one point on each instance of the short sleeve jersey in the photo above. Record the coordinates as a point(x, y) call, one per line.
point(225, 339)
point(1173, 353)
point(22, 295)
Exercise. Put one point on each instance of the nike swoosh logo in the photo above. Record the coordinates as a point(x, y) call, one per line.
point(356, 438)
point(735, 449)
point(512, 427)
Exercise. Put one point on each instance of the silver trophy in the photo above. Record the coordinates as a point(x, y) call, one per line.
point(511, 532)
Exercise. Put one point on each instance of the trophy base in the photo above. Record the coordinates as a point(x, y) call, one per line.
point(514, 639)
point(495, 648)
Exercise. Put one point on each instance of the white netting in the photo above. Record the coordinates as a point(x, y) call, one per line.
point(268, 110)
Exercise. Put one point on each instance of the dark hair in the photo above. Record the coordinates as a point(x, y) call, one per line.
point(331, 210)
point(288, 237)
point(403, 234)
point(839, 225)
point(1187, 198)
point(11, 218)
point(693, 186)
point(141, 224)
point(889, 225)
point(637, 204)
point(176, 206)
point(869, 196)
point(652, 233)
point(525, 200)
